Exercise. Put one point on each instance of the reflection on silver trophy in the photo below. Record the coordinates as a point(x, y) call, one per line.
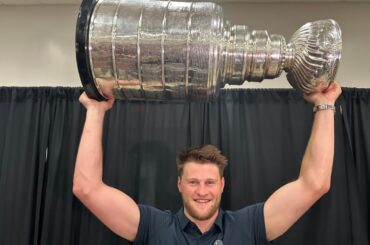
point(185, 50)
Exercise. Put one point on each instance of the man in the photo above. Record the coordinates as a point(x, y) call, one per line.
point(201, 184)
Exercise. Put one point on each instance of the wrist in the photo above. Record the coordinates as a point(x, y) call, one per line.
point(95, 111)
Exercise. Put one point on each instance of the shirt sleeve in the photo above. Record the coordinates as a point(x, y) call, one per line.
point(253, 219)
point(150, 219)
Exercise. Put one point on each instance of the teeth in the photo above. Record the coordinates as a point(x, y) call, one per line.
point(202, 201)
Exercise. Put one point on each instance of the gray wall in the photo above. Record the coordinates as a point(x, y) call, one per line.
point(37, 42)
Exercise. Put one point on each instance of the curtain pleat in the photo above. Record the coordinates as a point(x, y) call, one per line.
point(263, 133)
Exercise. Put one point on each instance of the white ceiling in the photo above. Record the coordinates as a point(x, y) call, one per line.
point(37, 2)
point(52, 2)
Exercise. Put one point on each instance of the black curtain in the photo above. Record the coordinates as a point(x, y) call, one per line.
point(263, 133)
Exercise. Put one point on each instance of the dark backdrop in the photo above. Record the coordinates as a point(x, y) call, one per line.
point(263, 133)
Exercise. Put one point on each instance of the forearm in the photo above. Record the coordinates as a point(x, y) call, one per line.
point(89, 161)
point(318, 159)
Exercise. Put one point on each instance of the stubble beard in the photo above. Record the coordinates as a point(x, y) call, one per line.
point(192, 211)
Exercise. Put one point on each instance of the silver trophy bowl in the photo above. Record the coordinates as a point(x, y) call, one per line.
point(129, 49)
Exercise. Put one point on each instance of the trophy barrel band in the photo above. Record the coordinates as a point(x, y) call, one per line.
point(82, 51)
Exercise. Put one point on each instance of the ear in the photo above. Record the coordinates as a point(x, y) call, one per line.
point(222, 184)
point(179, 183)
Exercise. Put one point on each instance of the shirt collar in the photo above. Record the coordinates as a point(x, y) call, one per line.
point(219, 219)
point(184, 221)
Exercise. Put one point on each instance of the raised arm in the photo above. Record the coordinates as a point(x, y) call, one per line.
point(285, 206)
point(113, 207)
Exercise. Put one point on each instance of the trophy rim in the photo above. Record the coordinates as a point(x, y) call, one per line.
point(82, 50)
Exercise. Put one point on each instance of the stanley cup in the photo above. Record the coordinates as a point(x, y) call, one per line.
point(129, 49)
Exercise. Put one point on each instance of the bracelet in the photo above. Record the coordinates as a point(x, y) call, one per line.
point(324, 107)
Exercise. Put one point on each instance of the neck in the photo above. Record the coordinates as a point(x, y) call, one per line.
point(203, 225)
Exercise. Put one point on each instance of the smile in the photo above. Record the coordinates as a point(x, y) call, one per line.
point(202, 200)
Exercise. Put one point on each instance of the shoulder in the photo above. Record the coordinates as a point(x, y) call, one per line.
point(247, 213)
point(152, 220)
point(246, 223)
point(154, 215)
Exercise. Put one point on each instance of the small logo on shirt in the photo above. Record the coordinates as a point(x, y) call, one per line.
point(218, 242)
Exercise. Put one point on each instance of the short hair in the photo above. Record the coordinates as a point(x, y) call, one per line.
point(201, 154)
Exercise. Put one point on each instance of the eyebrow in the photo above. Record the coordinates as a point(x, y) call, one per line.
point(195, 179)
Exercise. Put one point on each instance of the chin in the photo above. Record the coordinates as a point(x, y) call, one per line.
point(203, 214)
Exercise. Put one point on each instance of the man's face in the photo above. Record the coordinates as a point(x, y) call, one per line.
point(201, 187)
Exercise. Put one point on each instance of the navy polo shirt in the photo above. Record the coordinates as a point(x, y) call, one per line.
point(245, 227)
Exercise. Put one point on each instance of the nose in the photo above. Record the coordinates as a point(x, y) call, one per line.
point(201, 190)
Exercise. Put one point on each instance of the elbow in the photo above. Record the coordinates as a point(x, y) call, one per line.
point(326, 188)
point(84, 189)
point(318, 186)
point(77, 190)
point(321, 188)
point(83, 184)
point(81, 190)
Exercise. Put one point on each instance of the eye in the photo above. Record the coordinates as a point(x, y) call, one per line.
point(210, 182)
point(192, 182)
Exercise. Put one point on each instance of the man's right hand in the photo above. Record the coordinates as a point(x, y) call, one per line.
point(101, 106)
